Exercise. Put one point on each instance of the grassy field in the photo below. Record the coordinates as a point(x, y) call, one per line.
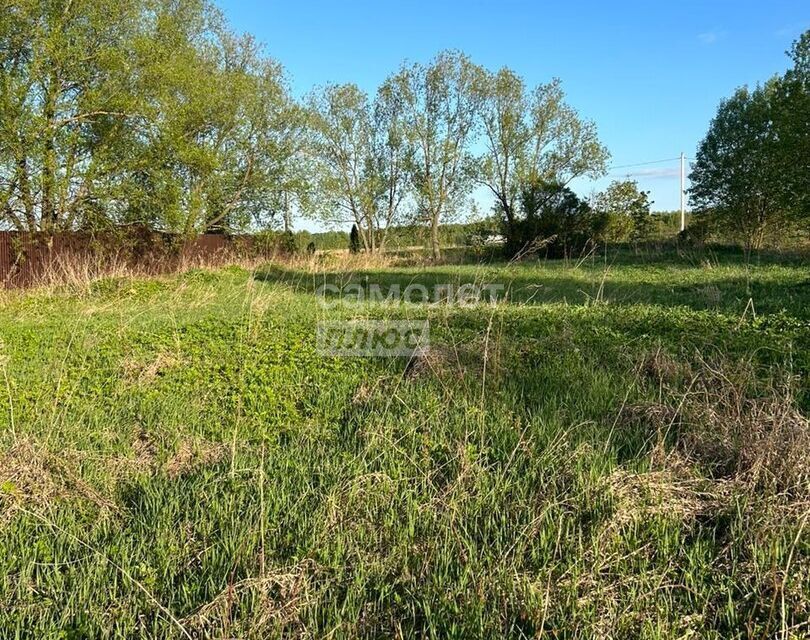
point(618, 448)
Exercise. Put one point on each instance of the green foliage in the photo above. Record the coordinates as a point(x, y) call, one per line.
point(554, 222)
point(148, 112)
point(266, 243)
point(626, 212)
point(360, 154)
point(750, 176)
point(439, 108)
point(791, 118)
point(531, 138)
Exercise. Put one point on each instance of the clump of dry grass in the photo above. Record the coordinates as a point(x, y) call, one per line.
point(428, 360)
point(141, 372)
point(276, 599)
point(33, 477)
point(663, 493)
point(760, 439)
point(193, 454)
point(77, 271)
point(659, 366)
point(731, 426)
point(189, 454)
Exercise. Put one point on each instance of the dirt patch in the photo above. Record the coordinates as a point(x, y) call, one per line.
point(192, 454)
point(145, 451)
point(140, 372)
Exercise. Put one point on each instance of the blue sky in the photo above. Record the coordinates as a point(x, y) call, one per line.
point(650, 74)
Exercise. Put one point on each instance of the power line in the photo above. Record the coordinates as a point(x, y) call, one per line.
point(641, 164)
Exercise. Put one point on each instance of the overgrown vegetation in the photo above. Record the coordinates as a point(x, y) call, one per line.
point(618, 448)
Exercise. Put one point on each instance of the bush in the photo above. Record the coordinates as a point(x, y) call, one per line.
point(696, 234)
point(554, 221)
point(272, 242)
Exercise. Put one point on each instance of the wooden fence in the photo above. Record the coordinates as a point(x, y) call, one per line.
point(28, 258)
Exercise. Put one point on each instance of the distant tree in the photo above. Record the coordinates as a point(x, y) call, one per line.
point(439, 109)
point(392, 159)
point(625, 210)
point(354, 240)
point(531, 138)
point(736, 179)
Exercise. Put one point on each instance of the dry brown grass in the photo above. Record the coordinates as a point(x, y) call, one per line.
point(193, 454)
point(139, 372)
point(730, 425)
point(33, 477)
point(664, 493)
point(77, 272)
point(276, 599)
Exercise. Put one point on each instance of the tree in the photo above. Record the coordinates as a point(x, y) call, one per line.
point(393, 158)
point(736, 181)
point(360, 154)
point(65, 93)
point(752, 170)
point(439, 108)
point(626, 211)
point(532, 138)
point(148, 111)
point(210, 151)
point(792, 126)
point(354, 240)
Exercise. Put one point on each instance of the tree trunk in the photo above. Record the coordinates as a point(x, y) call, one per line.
point(25, 193)
point(50, 215)
point(287, 214)
point(434, 237)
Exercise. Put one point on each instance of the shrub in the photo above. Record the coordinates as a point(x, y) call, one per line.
point(554, 220)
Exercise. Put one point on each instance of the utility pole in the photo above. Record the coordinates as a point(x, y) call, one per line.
point(683, 191)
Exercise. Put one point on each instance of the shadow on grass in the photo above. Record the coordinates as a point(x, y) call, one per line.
point(662, 284)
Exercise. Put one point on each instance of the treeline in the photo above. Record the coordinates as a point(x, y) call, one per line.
point(153, 112)
point(664, 225)
point(405, 236)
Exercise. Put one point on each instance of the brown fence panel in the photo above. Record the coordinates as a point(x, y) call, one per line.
point(26, 258)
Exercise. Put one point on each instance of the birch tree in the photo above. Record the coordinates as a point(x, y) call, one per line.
point(440, 107)
point(361, 153)
point(64, 93)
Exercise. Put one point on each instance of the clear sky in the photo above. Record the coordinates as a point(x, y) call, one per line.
point(649, 73)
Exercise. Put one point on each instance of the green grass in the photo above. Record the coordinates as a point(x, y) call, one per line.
point(613, 450)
